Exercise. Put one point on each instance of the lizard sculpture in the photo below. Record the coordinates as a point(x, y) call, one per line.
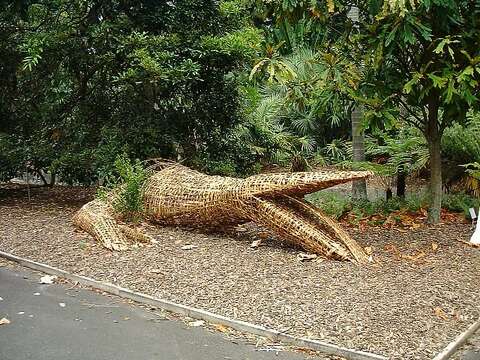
point(182, 196)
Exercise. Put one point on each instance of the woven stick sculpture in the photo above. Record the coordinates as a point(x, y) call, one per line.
point(179, 195)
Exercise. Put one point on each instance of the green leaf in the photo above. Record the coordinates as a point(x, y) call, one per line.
point(450, 91)
point(407, 88)
point(441, 45)
point(438, 82)
point(408, 36)
point(466, 73)
point(391, 36)
point(450, 51)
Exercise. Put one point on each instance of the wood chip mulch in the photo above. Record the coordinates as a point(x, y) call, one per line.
point(422, 291)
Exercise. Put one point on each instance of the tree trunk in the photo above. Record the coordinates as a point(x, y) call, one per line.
point(401, 184)
point(359, 187)
point(388, 194)
point(433, 135)
point(52, 179)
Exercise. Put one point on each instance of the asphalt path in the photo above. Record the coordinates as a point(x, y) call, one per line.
point(50, 322)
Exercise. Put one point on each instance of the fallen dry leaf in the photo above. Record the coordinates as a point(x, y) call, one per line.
point(414, 257)
point(434, 246)
point(220, 327)
point(307, 351)
point(368, 250)
point(4, 321)
point(263, 235)
point(438, 311)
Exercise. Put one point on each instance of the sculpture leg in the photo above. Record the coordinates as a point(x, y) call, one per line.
point(306, 226)
point(96, 219)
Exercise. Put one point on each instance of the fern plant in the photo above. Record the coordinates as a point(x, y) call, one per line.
point(405, 152)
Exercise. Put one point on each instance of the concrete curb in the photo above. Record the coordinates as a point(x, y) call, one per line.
point(459, 341)
point(323, 347)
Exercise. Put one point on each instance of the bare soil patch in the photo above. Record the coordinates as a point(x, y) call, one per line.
point(421, 293)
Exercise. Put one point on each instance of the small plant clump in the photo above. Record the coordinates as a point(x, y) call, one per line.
point(127, 185)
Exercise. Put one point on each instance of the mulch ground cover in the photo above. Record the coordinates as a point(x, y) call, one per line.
point(419, 294)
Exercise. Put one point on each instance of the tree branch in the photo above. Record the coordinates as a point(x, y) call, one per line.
point(406, 107)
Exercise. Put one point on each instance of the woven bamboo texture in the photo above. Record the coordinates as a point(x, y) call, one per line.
point(176, 194)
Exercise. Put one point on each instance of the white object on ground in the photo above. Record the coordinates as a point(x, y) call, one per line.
point(47, 279)
point(189, 247)
point(62, 304)
point(196, 323)
point(4, 321)
point(255, 244)
point(36, 294)
point(475, 239)
point(472, 213)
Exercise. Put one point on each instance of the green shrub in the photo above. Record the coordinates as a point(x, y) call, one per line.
point(461, 143)
point(415, 202)
point(337, 205)
point(460, 202)
point(331, 203)
point(128, 202)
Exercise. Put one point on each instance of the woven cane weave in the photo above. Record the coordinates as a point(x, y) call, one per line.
point(178, 195)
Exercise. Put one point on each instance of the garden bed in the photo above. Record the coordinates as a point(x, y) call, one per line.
point(420, 294)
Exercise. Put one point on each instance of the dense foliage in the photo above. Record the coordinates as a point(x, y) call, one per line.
point(82, 81)
point(424, 58)
point(415, 62)
point(229, 86)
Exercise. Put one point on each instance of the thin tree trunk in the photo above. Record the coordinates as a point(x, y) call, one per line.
point(52, 179)
point(359, 187)
point(434, 137)
point(401, 184)
point(388, 194)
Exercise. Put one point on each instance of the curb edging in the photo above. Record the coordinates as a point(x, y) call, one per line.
point(451, 348)
point(189, 311)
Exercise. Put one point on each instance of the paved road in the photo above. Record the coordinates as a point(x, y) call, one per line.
point(470, 351)
point(471, 355)
point(50, 322)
